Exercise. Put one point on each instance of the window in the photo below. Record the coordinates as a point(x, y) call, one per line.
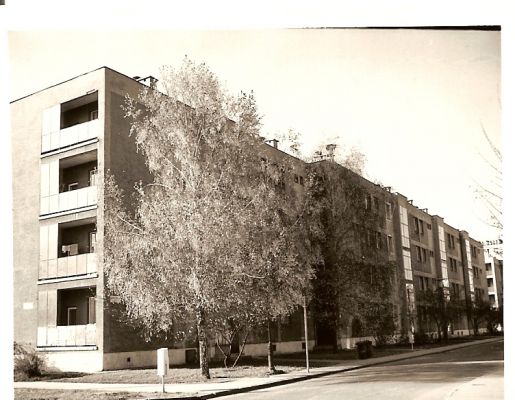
point(370, 238)
point(388, 211)
point(93, 115)
point(92, 241)
point(93, 177)
point(429, 227)
point(301, 180)
point(71, 316)
point(453, 264)
point(379, 240)
point(389, 243)
point(488, 267)
point(455, 289)
point(368, 202)
point(375, 203)
point(450, 241)
point(418, 225)
point(91, 310)
point(296, 178)
point(73, 186)
point(421, 254)
point(423, 282)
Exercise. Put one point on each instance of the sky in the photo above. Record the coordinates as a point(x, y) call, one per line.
point(413, 101)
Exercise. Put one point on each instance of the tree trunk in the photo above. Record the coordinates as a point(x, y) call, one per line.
point(271, 366)
point(202, 343)
point(241, 349)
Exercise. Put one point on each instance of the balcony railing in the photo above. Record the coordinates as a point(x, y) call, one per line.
point(72, 335)
point(70, 136)
point(81, 264)
point(69, 200)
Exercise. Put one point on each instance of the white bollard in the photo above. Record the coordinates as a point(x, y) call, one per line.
point(162, 365)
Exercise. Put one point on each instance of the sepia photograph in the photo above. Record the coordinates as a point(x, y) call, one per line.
point(262, 213)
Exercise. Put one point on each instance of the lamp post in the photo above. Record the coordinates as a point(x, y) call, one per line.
point(306, 334)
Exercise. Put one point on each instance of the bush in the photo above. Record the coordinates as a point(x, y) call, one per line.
point(422, 338)
point(364, 349)
point(28, 363)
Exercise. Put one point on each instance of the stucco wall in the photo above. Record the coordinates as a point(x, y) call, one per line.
point(26, 120)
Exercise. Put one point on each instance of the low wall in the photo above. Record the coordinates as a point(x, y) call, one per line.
point(261, 349)
point(74, 361)
point(141, 359)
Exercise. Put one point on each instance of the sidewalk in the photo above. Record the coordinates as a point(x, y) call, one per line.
point(233, 386)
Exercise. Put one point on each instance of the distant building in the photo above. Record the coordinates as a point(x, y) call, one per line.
point(67, 136)
point(494, 276)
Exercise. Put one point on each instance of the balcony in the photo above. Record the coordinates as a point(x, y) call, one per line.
point(69, 123)
point(70, 318)
point(73, 335)
point(69, 183)
point(68, 249)
point(66, 201)
point(82, 264)
point(70, 136)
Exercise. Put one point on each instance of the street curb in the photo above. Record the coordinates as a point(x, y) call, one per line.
point(229, 392)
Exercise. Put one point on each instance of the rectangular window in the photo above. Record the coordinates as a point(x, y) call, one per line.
point(390, 243)
point(368, 202)
point(93, 115)
point(91, 310)
point(379, 240)
point(388, 211)
point(375, 203)
point(71, 316)
point(93, 177)
point(92, 241)
point(301, 180)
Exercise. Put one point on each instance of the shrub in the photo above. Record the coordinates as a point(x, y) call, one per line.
point(422, 338)
point(364, 349)
point(28, 363)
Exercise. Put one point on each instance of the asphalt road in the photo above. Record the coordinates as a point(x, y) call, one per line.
point(471, 373)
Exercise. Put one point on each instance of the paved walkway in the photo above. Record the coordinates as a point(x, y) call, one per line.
point(239, 385)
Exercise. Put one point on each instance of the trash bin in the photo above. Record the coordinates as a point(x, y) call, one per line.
point(364, 349)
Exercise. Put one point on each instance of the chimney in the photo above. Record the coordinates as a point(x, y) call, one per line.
point(330, 150)
point(149, 81)
point(272, 142)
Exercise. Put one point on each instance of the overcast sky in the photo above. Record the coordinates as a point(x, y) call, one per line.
point(412, 100)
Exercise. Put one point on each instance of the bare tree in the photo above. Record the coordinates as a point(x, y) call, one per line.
point(490, 193)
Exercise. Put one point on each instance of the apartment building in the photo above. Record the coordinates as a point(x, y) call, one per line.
point(67, 136)
point(494, 277)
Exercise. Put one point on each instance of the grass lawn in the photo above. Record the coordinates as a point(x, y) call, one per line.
point(250, 368)
point(44, 394)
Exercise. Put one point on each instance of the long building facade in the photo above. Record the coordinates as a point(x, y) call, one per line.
point(65, 138)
